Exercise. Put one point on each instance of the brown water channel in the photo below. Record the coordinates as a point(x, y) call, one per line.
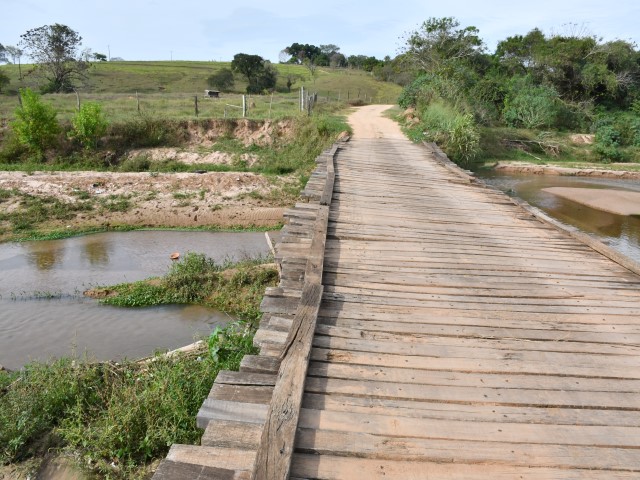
point(618, 231)
point(32, 327)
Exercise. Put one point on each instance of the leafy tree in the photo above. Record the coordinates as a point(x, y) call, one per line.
point(222, 80)
point(4, 80)
point(55, 50)
point(88, 125)
point(16, 54)
point(299, 52)
point(99, 57)
point(35, 123)
point(3, 53)
point(439, 45)
point(260, 74)
point(265, 80)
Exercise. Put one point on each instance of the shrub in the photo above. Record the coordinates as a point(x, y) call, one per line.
point(88, 125)
point(222, 80)
point(35, 125)
point(463, 140)
point(531, 106)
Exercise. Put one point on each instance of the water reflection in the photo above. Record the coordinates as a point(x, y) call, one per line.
point(96, 251)
point(621, 232)
point(42, 255)
point(31, 329)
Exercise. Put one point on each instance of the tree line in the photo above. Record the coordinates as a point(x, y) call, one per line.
point(563, 81)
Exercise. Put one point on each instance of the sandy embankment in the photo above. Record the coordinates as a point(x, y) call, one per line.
point(618, 202)
point(527, 168)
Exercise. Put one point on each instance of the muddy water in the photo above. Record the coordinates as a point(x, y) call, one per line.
point(33, 326)
point(618, 231)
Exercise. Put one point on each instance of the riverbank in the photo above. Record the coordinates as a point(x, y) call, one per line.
point(116, 419)
point(44, 203)
point(623, 171)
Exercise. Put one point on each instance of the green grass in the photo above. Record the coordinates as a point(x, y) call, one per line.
point(167, 89)
point(192, 279)
point(115, 419)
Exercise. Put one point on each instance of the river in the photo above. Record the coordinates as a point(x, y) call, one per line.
point(621, 232)
point(43, 313)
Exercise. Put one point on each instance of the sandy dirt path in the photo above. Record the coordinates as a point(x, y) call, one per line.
point(368, 122)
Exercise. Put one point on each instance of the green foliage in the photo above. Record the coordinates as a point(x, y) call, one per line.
point(229, 344)
point(616, 134)
point(55, 51)
point(232, 288)
point(4, 80)
point(530, 106)
point(440, 45)
point(456, 133)
point(89, 124)
point(138, 412)
point(35, 124)
point(40, 396)
point(222, 80)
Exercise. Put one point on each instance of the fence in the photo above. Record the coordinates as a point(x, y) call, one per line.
point(118, 107)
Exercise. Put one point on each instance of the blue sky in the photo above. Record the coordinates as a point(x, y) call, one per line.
point(197, 30)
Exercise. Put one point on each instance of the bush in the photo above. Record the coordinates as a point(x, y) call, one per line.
point(531, 106)
point(35, 125)
point(222, 80)
point(88, 125)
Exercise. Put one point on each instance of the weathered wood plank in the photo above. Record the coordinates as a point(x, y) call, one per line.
point(332, 467)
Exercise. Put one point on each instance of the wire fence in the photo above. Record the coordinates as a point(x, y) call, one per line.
point(120, 107)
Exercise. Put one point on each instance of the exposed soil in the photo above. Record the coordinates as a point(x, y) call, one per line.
point(165, 199)
point(171, 199)
point(527, 168)
point(609, 200)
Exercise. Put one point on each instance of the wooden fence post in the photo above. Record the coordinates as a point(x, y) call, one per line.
point(196, 105)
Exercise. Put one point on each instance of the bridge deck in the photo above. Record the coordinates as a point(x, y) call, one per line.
point(461, 338)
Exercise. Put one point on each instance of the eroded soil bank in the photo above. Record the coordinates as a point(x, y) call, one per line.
point(85, 200)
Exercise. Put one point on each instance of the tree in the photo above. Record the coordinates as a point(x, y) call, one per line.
point(301, 51)
point(55, 50)
point(15, 53)
point(439, 45)
point(35, 123)
point(3, 53)
point(4, 80)
point(260, 74)
point(99, 57)
point(222, 80)
point(89, 124)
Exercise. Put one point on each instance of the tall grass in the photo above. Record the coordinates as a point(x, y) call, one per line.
point(455, 132)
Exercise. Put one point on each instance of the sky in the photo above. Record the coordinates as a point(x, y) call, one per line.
point(197, 30)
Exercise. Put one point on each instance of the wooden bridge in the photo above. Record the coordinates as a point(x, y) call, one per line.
point(426, 327)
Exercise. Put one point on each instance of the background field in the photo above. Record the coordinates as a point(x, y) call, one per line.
point(169, 89)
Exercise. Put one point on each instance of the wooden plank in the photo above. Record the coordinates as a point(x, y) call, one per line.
point(274, 456)
point(229, 410)
point(216, 457)
point(527, 397)
point(542, 383)
point(244, 393)
point(363, 445)
point(259, 364)
point(333, 467)
point(170, 470)
point(486, 413)
point(246, 378)
point(232, 434)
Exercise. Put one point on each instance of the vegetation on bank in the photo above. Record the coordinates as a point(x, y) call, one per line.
point(115, 419)
point(523, 100)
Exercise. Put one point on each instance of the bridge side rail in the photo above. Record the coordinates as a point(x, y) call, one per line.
point(250, 416)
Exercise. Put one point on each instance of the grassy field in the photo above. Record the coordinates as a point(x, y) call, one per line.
point(169, 89)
